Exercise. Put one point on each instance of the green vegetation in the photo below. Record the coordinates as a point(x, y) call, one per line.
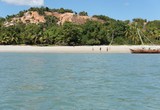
point(83, 13)
point(62, 10)
point(110, 31)
point(1, 20)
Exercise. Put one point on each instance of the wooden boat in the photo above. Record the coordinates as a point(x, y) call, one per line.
point(145, 51)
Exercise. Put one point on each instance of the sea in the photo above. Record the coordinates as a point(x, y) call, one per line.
point(46, 81)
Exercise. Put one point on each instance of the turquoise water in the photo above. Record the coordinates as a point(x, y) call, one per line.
point(79, 82)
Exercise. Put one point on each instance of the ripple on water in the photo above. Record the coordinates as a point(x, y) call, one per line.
point(79, 81)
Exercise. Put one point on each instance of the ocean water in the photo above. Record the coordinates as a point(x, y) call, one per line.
point(79, 81)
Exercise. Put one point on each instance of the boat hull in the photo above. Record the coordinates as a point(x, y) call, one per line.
point(145, 51)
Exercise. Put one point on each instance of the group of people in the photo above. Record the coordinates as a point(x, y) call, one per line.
point(100, 49)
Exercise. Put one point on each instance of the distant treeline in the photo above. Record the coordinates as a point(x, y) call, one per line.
point(112, 31)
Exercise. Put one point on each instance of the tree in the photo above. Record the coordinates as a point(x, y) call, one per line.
point(117, 32)
point(69, 34)
point(32, 34)
point(132, 34)
point(10, 35)
point(50, 35)
point(50, 21)
point(140, 23)
point(94, 33)
point(62, 10)
point(103, 31)
point(2, 20)
point(83, 13)
point(103, 17)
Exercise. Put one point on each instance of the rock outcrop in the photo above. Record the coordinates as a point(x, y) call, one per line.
point(71, 17)
point(28, 17)
point(34, 17)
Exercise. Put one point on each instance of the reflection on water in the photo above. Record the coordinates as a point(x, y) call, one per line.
point(79, 82)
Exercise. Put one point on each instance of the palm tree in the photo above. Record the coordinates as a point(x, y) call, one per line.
point(132, 34)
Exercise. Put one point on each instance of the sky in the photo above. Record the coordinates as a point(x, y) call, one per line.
point(117, 9)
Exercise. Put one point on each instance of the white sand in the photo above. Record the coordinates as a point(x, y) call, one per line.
point(71, 49)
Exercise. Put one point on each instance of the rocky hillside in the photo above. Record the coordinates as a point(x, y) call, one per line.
point(44, 26)
point(28, 17)
point(71, 17)
point(36, 18)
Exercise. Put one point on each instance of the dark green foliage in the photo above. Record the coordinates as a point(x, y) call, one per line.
point(10, 35)
point(94, 33)
point(50, 21)
point(83, 13)
point(40, 10)
point(103, 17)
point(127, 21)
point(154, 24)
point(119, 28)
point(1, 21)
point(110, 31)
point(69, 34)
point(62, 10)
point(9, 17)
point(106, 19)
point(140, 23)
point(21, 13)
point(139, 20)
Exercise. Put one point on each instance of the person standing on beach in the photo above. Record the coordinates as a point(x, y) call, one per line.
point(107, 49)
point(100, 49)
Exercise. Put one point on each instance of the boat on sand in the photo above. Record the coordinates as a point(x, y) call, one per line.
point(145, 51)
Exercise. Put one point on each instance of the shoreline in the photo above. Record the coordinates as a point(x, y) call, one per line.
point(72, 49)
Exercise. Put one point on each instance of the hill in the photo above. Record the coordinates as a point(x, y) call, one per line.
point(45, 26)
point(38, 15)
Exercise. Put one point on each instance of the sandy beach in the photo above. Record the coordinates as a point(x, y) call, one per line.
point(72, 49)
